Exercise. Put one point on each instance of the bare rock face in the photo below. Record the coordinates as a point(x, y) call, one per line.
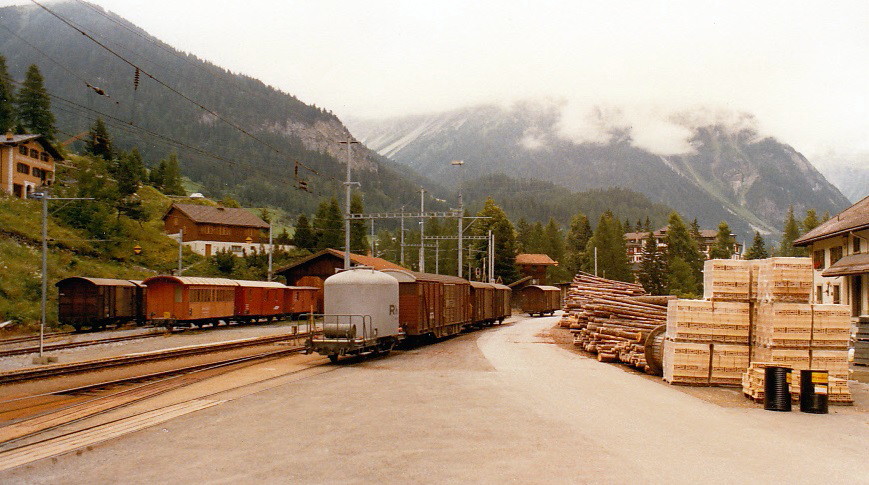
point(323, 136)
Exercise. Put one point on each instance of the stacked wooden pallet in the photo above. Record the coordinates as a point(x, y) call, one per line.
point(612, 318)
point(708, 340)
point(788, 331)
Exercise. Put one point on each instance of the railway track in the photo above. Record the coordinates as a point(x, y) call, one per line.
point(33, 338)
point(143, 387)
point(55, 370)
point(72, 345)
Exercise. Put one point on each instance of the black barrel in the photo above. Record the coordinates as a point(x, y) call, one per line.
point(814, 388)
point(777, 392)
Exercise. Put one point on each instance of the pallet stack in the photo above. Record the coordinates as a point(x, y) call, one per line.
point(708, 340)
point(753, 385)
point(788, 331)
point(612, 318)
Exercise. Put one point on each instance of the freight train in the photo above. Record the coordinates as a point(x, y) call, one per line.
point(370, 311)
point(177, 301)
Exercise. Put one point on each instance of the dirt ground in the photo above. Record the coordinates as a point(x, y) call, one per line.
point(506, 404)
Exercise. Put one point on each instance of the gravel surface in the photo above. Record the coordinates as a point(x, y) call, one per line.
point(507, 404)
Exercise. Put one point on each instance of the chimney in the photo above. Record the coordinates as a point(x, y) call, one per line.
point(9, 135)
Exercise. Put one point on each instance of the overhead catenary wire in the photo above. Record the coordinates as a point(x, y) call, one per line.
point(175, 91)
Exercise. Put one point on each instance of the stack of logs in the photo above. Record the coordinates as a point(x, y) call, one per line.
point(612, 318)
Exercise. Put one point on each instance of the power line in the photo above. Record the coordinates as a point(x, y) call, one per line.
point(170, 88)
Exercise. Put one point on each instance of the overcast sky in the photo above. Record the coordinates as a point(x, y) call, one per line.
point(800, 67)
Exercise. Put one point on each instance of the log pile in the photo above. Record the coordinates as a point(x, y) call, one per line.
point(612, 318)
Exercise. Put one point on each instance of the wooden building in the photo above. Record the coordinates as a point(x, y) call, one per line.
point(314, 269)
point(208, 229)
point(636, 241)
point(839, 249)
point(534, 266)
point(26, 163)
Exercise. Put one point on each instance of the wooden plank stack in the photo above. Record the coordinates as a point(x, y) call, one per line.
point(753, 385)
point(788, 331)
point(612, 318)
point(726, 280)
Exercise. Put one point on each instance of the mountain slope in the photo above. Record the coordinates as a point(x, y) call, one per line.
point(733, 174)
point(249, 169)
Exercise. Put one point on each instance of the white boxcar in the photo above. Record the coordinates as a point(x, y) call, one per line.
point(360, 314)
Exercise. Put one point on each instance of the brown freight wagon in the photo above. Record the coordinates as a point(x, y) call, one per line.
point(255, 300)
point(185, 299)
point(540, 299)
point(503, 303)
point(301, 299)
point(431, 304)
point(97, 302)
point(483, 301)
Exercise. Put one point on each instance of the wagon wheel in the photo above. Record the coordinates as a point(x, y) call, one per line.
point(333, 358)
point(654, 350)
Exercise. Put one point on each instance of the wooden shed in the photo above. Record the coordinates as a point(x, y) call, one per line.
point(97, 302)
point(432, 304)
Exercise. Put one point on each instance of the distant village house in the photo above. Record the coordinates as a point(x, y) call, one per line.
point(26, 163)
point(634, 242)
point(207, 229)
point(533, 267)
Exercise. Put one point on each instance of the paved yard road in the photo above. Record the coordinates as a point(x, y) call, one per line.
point(500, 405)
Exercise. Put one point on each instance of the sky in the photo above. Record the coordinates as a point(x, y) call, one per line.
point(791, 69)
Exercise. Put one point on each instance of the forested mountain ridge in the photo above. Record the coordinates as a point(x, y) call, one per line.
point(146, 114)
point(733, 174)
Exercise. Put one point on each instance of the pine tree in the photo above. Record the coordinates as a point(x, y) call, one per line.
point(283, 238)
point(577, 240)
point(34, 105)
point(98, 142)
point(523, 234)
point(505, 240)
point(647, 226)
point(653, 268)
point(358, 239)
point(682, 251)
point(536, 239)
point(612, 258)
point(790, 233)
point(811, 221)
point(757, 249)
point(627, 226)
point(304, 238)
point(171, 175)
point(129, 172)
point(328, 225)
point(7, 99)
point(555, 250)
point(826, 217)
point(722, 248)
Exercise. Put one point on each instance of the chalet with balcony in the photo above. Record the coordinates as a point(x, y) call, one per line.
point(635, 242)
point(839, 249)
point(534, 266)
point(207, 229)
point(27, 162)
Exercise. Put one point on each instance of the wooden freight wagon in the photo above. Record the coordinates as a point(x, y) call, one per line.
point(191, 300)
point(97, 302)
point(503, 304)
point(255, 300)
point(301, 299)
point(483, 300)
point(431, 304)
point(541, 300)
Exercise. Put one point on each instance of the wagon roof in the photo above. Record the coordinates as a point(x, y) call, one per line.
point(499, 286)
point(195, 280)
point(100, 281)
point(260, 284)
point(480, 284)
point(303, 287)
point(544, 287)
point(416, 276)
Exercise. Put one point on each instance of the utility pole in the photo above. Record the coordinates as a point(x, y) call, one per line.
point(421, 231)
point(437, 257)
point(595, 260)
point(41, 359)
point(461, 165)
point(271, 250)
point(180, 249)
point(401, 258)
point(348, 184)
point(491, 256)
point(373, 246)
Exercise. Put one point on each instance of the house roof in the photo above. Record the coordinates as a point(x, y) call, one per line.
point(357, 259)
point(854, 218)
point(226, 216)
point(543, 259)
point(19, 139)
point(704, 233)
point(849, 265)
